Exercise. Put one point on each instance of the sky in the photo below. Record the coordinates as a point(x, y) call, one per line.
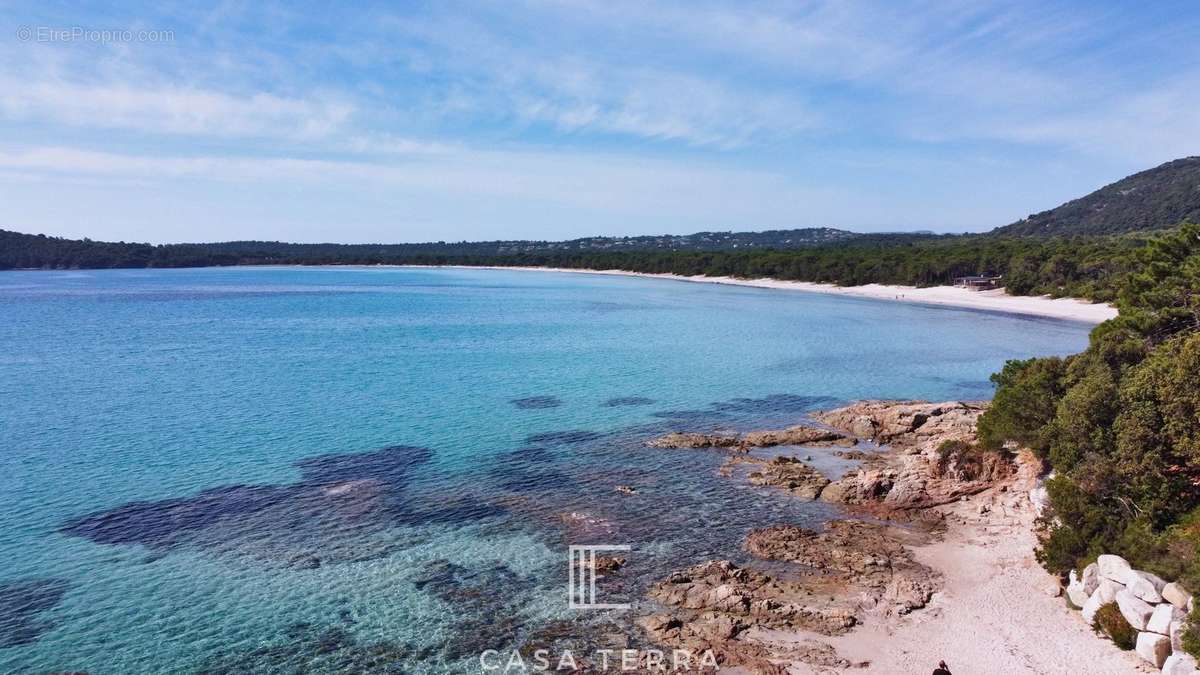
point(428, 121)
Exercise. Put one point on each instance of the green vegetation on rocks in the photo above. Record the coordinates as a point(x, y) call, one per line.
point(1120, 423)
point(1111, 623)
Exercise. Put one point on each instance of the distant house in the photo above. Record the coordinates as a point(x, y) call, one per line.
point(978, 283)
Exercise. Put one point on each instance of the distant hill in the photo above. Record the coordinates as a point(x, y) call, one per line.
point(1154, 199)
point(19, 250)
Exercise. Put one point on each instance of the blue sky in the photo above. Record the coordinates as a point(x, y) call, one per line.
point(445, 121)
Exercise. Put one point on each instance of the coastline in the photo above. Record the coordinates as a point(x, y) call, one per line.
point(1069, 309)
point(998, 610)
point(934, 560)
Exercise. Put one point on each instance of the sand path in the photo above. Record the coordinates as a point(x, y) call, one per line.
point(996, 613)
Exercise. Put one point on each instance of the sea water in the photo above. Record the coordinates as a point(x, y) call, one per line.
point(349, 469)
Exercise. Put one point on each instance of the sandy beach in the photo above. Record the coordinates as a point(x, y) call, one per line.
point(1069, 309)
point(998, 612)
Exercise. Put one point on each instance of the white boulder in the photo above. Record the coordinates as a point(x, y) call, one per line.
point(1108, 590)
point(1092, 606)
point(1154, 648)
point(1076, 592)
point(1176, 595)
point(1090, 578)
point(1038, 497)
point(1160, 620)
point(1179, 664)
point(1144, 585)
point(1113, 567)
point(1135, 610)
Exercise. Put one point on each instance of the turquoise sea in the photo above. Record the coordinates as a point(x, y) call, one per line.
point(379, 469)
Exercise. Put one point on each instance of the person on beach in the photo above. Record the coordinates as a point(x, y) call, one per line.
point(942, 669)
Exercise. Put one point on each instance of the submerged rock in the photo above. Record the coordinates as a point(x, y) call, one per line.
point(536, 402)
point(791, 474)
point(22, 602)
point(621, 401)
point(569, 437)
point(308, 648)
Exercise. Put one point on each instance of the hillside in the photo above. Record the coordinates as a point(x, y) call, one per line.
point(1154, 199)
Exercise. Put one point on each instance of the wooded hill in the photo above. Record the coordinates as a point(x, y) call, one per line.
point(1153, 199)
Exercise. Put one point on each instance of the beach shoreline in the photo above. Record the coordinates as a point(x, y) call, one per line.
point(998, 610)
point(932, 558)
point(1068, 309)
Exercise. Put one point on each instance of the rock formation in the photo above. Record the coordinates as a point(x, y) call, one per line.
point(933, 460)
point(715, 606)
point(868, 558)
point(852, 570)
point(905, 423)
point(791, 474)
point(795, 435)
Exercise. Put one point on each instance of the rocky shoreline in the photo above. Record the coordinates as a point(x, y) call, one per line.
point(919, 469)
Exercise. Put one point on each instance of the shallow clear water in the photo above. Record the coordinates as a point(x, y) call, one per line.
point(332, 469)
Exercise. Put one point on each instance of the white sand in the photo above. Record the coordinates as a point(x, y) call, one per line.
point(995, 614)
point(993, 301)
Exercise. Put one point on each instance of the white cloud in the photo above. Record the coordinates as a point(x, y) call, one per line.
point(596, 182)
point(1150, 127)
point(173, 110)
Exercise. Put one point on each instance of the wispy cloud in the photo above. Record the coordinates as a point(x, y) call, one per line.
point(174, 110)
point(823, 112)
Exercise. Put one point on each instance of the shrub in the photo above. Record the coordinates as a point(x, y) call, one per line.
point(1110, 622)
point(1191, 635)
point(969, 462)
point(947, 452)
point(1024, 405)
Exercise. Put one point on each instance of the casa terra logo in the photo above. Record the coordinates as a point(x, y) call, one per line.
point(581, 576)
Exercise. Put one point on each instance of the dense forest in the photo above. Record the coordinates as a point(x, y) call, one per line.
point(24, 251)
point(1086, 267)
point(1077, 266)
point(1119, 424)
